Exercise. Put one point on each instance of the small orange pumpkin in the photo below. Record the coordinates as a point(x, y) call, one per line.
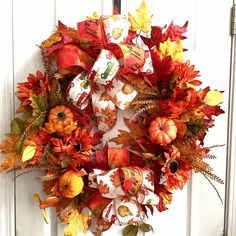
point(60, 115)
point(162, 130)
point(70, 184)
point(61, 120)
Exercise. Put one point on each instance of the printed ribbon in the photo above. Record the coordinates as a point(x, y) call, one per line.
point(106, 40)
point(122, 191)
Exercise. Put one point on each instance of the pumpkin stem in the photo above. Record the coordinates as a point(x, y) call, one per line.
point(61, 116)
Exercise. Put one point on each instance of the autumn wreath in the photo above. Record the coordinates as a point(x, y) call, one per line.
point(92, 74)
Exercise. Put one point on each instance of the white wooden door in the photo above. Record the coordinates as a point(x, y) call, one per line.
point(195, 211)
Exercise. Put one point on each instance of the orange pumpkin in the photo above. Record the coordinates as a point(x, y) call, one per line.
point(162, 130)
point(61, 120)
point(70, 184)
point(60, 115)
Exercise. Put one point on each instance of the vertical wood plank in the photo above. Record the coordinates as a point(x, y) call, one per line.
point(32, 23)
point(7, 212)
point(230, 199)
point(213, 59)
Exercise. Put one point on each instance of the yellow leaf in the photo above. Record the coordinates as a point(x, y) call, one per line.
point(173, 49)
point(28, 153)
point(213, 98)
point(76, 220)
point(37, 199)
point(45, 216)
point(189, 85)
point(143, 20)
point(95, 16)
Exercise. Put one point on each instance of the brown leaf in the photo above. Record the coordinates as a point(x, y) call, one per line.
point(123, 138)
point(135, 81)
point(54, 38)
point(137, 130)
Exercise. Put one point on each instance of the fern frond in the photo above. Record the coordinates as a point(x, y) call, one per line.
point(141, 110)
point(213, 187)
point(209, 156)
point(143, 102)
point(149, 92)
point(216, 146)
point(199, 165)
point(210, 175)
point(49, 68)
point(49, 177)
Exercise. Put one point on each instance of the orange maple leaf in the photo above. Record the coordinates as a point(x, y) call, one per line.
point(109, 112)
point(110, 122)
point(105, 97)
point(115, 179)
point(103, 188)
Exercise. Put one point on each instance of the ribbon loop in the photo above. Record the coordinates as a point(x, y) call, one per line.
point(105, 68)
point(116, 28)
point(78, 91)
point(128, 188)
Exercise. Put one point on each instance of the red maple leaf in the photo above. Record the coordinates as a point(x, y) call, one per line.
point(175, 32)
point(210, 111)
point(156, 38)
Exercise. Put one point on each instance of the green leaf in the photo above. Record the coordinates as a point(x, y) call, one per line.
point(19, 146)
point(40, 107)
point(130, 230)
point(17, 126)
point(28, 153)
point(145, 227)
